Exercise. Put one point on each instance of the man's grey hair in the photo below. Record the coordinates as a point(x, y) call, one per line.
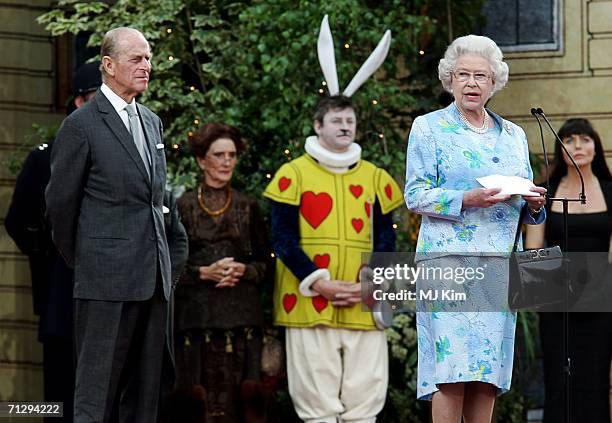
point(481, 46)
point(110, 44)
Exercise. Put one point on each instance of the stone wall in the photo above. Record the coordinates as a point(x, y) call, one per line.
point(573, 82)
point(27, 95)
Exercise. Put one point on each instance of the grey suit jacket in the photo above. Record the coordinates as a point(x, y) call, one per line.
point(105, 212)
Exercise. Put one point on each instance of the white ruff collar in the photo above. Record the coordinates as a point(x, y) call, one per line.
point(335, 162)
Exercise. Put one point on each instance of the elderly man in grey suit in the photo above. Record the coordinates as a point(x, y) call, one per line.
point(104, 203)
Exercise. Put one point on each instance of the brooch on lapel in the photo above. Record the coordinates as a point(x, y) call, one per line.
point(159, 146)
point(508, 128)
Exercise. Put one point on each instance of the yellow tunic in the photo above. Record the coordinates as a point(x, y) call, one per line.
point(335, 230)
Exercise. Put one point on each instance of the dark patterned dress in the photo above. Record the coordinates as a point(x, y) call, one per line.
point(219, 330)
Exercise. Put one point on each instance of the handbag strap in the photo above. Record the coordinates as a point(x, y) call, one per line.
point(518, 227)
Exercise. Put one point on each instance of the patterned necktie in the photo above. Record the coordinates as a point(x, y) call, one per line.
point(135, 130)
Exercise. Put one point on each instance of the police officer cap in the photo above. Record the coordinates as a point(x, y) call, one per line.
point(87, 78)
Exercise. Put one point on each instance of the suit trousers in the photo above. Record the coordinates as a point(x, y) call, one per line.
point(337, 374)
point(119, 349)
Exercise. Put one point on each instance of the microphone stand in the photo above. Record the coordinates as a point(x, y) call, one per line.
point(565, 202)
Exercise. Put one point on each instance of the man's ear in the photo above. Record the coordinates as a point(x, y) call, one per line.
point(317, 127)
point(108, 65)
point(79, 100)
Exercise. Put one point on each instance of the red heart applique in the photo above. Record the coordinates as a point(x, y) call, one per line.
point(368, 209)
point(357, 224)
point(356, 190)
point(321, 260)
point(388, 191)
point(283, 183)
point(319, 303)
point(289, 301)
point(315, 207)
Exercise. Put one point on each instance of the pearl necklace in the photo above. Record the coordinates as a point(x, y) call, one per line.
point(485, 125)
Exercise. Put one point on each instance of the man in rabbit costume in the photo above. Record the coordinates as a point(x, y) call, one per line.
point(329, 207)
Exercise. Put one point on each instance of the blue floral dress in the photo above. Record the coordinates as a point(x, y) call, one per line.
point(443, 161)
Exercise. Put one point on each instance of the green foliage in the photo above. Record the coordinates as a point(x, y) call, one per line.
point(401, 397)
point(527, 323)
point(513, 406)
point(253, 64)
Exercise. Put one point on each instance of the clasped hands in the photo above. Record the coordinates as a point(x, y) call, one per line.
point(226, 272)
point(340, 293)
point(487, 197)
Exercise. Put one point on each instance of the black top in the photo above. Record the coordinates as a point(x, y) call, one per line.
point(587, 231)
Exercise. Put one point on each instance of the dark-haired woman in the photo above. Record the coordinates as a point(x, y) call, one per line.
point(218, 317)
point(589, 226)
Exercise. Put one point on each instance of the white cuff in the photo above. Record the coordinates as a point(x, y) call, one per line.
point(312, 278)
point(331, 419)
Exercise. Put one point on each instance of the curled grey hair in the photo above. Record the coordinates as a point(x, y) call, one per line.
point(473, 44)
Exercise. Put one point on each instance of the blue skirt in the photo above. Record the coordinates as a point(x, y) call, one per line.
point(457, 340)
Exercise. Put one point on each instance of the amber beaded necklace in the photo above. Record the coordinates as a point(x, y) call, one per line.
point(210, 212)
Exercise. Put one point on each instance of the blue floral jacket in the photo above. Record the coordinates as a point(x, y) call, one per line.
point(443, 161)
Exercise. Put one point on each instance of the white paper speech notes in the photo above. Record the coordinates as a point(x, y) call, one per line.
point(510, 185)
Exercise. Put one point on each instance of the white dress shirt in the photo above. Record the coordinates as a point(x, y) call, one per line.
point(119, 105)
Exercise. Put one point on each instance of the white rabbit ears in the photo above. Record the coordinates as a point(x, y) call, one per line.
point(327, 60)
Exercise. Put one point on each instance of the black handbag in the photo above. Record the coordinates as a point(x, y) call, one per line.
point(537, 278)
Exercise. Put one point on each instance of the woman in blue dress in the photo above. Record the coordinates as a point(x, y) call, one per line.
point(465, 356)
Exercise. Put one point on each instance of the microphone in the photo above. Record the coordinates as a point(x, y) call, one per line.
point(534, 112)
point(540, 112)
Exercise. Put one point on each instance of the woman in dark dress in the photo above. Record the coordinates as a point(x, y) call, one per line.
point(589, 228)
point(218, 317)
